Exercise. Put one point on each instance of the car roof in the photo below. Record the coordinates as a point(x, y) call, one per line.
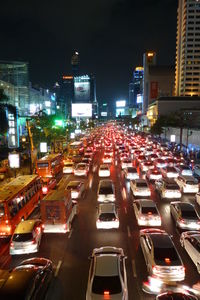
point(185, 206)
point(107, 265)
point(161, 240)
point(146, 203)
point(17, 282)
point(74, 183)
point(107, 207)
point(25, 226)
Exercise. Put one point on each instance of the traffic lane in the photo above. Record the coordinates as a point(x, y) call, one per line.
point(169, 226)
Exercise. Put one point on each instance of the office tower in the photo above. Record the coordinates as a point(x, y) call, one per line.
point(187, 79)
point(75, 60)
point(138, 75)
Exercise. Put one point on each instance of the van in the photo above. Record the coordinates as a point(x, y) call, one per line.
point(106, 191)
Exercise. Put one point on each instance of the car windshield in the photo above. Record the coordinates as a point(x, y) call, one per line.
point(191, 182)
point(160, 254)
point(106, 283)
point(189, 214)
point(22, 237)
point(69, 165)
point(103, 168)
point(107, 217)
point(149, 210)
point(81, 167)
point(106, 190)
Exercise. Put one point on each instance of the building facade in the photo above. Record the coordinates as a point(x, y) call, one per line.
point(138, 76)
point(187, 75)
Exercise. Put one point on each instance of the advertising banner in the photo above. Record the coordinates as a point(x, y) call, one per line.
point(82, 91)
point(154, 90)
point(81, 110)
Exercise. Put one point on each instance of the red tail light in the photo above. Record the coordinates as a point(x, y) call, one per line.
point(106, 293)
point(11, 245)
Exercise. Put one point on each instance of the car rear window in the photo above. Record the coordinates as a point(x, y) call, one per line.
point(141, 184)
point(172, 187)
point(23, 237)
point(106, 190)
point(160, 254)
point(107, 217)
point(189, 214)
point(106, 283)
point(149, 210)
point(191, 182)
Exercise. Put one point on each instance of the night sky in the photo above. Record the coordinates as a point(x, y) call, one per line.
point(110, 35)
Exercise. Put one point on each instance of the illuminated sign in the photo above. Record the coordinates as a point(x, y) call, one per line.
point(82, 90)
point(81, 110)
point(43, 147)
point(104, 114)
point(120, 112)
point(173, 138)
point(150, 54)
point(121, 103)
point(139, 98)
point(14, 160)
point(67, 77)
point(139, 69)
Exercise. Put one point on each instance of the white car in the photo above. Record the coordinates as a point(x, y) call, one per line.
point(153, 175)
point(190, 240)
point(107, 159)
point(146, 213)
point(107, 216)
point(68, 168)
point(197, 196)
point(146, 165)
point(76, 188)
point(104, 171)
point(131, 173)
point(140, 187)
point(107, 275)
point(160, 163)
point(106, 191)
point(185, 215)
point(169, 172)
point(168, 188)
point(188, 184)
point(184, 170)
point(126, 163)
point(81, 169)
point(161, 256)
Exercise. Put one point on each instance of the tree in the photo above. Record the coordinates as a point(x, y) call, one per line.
point(157, 128)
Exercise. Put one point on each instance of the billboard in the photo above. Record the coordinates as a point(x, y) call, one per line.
point(81, 110)
point(121, 103)
point(82, 88)
point(120, 112)
point(104, 114)
point(139, 98)
point(154, 90)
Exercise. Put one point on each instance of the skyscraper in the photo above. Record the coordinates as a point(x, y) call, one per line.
point(138, 75)
point(75, 63)
point(187, 79)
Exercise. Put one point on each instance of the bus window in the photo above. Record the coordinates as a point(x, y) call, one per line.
point(42, 165)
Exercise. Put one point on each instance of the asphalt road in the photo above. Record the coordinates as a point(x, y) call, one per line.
point(70, 252)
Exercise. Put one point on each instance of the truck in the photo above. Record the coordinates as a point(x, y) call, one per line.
point(58, 209)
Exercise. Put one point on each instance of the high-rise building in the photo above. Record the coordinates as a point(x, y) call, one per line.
point(138, 75)
point(75, 63)
point(187, 79)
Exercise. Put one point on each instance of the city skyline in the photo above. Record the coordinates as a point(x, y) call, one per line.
point(110, 37)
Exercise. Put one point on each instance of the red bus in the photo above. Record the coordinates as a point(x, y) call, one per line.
point(58, 209)
point(18, 199)
point(50, 165)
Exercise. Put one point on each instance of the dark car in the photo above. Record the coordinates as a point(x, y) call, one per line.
point(28, 281)
point(176, 296)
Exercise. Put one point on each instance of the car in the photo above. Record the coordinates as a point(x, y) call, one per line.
point(89, 156)
point(153, 174)
point(168, 188)
point(197, 197)
point(68, 168)
point(107, 159)
point(140, 158)
point(86, 160)
point(48, 184)
point(26, 237)
point(76, 188)
point(81, 169)
point(152, 157)
point(188, 184)
point(185, 215)
point(28, 280)
point(169, 172)
point(107, 216)
point(176, 296)
point(131, 173)
point(146, 213)
point(104, 171)
point(107, 275)
point(125, 163)
point(184, 170)
point(196, 171)
point(160, 163)
point(190, 241)
point(140, 187)
point(146, 165)
point(106, 191)
point(161, 257)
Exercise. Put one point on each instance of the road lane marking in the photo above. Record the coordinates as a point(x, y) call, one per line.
point(129, 231)
point(70, 233)
point(123, 193)
point(90, 182)
point(58, 268)
point(125, 210)
point(134, 268)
